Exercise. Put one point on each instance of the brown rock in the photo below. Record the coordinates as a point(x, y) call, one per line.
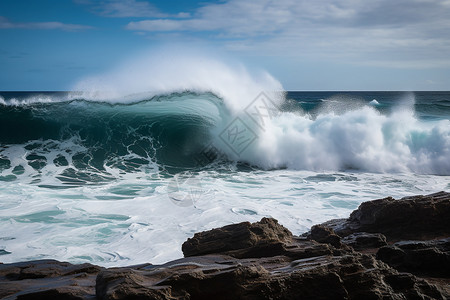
point(58, 293)
point(264, 238)
point(323, 234)
point(354, 276)
point(431, 258)
point(416, 217)
point(364, 240)
point(47, 279)
point(127, 283)
point(44, 269)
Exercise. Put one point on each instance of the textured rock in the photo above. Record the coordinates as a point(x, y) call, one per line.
point(323, 234)
point(128, 284)
point(44, 269)
point(364, 240)
point(264, 238)
point(424, 258)
point(47, 279)
point(56, 293)
point(352, 276)
point(416, 217)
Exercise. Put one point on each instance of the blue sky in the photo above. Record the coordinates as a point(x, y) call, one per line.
point(306, 45)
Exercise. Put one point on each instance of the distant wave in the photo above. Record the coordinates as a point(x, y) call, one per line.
point(374, 102)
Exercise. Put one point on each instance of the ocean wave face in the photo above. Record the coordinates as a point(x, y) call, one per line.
point(125, 169)
point(83, 141)
point(95, 141)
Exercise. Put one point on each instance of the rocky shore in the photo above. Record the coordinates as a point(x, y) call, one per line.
point(386, 249)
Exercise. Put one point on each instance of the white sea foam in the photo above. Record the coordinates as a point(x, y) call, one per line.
point(355, 137)
point(101, 225)
point(39, 98)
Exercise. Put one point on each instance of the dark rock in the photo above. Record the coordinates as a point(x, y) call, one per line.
point(300, 249)
point(128, 284)
point(323, 234)
point(400, 281)
point(300, 268)
point(264, 238)
point(364, 240)
point(223, 277)
point(430, 258)
point(44, 269)
point(59, 293)
point(47, 279)
point(416, 217)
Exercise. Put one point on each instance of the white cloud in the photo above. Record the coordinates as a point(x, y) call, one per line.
point(350, 30)
point(234, 17)
point(7, 24)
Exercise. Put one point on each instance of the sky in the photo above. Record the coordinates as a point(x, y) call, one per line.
point(306, 45)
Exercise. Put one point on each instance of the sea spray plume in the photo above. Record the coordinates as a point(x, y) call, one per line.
point(170, 70)
point(339, 104)
point(357, 138)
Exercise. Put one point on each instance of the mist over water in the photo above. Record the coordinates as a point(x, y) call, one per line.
point(92, 175)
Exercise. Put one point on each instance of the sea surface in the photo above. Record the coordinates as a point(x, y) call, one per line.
point(125, 179)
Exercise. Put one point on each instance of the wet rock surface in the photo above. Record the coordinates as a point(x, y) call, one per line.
point(361, 257)
point(263, 238)
point(430, 258)
point(47, 279)
point(415, 217)
point(364, 240)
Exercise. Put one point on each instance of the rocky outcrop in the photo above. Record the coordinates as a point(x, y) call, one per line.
point(429, 258)
point(416, 217)
point(357, 258)
point(264, 238)
point(323, 234)
point(364, 240)
point(47, 279)
point(350, 276)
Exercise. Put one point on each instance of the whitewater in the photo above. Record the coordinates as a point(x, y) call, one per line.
point(131, 163)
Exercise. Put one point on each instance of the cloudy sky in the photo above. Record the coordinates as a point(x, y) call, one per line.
point(306, 45)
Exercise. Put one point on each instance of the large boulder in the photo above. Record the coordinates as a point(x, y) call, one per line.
point(415, 217)
point(263, 238)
